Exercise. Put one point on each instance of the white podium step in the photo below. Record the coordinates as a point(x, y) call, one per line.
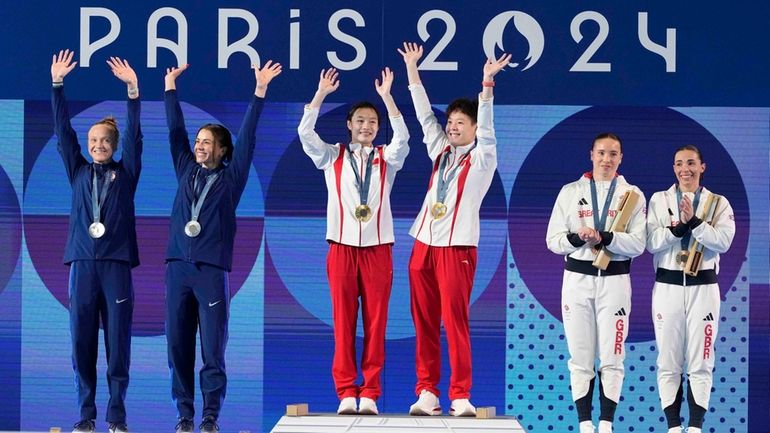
point(333, 423)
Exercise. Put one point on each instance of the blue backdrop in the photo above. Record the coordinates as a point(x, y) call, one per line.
point(660, 74)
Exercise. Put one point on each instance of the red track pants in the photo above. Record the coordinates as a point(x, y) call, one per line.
point(441, 280)
point(353, 272)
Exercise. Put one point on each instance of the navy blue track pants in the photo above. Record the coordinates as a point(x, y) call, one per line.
point(101, 288)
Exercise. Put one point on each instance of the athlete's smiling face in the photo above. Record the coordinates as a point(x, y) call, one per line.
point(460, 129)
point(688, 169)
point(363, 126)
point(208, 152)
point(101, 143)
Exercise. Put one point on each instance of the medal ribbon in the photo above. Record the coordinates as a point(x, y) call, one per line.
point(442, 186)
point(686, 238)
point(97, 200)
point(363, 187)
point(599, 223)
point(198, 204)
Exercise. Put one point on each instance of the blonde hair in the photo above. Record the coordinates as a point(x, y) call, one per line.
point(112, 124)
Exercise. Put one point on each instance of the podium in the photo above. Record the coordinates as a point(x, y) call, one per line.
point(388, 423)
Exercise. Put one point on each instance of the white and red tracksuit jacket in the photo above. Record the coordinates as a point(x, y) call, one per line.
point(573, 210)
point(460, 225)
point(343, 197)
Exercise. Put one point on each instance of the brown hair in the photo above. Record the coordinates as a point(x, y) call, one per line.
point(609, 135)
point(692, 148)
point(223, 138)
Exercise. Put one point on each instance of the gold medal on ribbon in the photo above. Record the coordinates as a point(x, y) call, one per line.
point(363, 213)
point(438, 210)
point(682, 256)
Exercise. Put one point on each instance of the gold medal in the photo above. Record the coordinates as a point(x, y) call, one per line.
point(682, 256)
point(363, 213)
point(438, 210)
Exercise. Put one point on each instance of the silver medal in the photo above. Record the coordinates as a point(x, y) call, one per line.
point(192, 228)
point(96, 230)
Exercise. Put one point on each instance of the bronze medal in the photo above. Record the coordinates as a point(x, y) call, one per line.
point(682, 256)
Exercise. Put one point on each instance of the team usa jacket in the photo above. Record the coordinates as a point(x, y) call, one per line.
point(475, 170)
point(214, 245)
point(343, 196)
point(573, 210)
point(663, 216)
point(117, 213)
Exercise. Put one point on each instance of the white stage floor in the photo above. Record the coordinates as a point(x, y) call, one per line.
point(333, 423)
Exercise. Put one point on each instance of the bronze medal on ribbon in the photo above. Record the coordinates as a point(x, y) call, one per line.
point(363, 213)
point(682, 256)
point(438, 210)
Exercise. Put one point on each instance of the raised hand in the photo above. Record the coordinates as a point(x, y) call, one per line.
point(328, 82)
point(269, 71)
point(387, 82)
point(61, 65)
point(121, 69)
point(492, 67)
point(172, 74)
point(411, 53)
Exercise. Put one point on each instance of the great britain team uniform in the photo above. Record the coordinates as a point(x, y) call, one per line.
point(101, 259)
point(685, 308)
point(359, 262)
point(595, 304)
point(443, 260)
point(199, 259)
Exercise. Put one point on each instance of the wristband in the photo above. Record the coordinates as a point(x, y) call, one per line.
point(487, 84)
point(133, 92)
point(57, 83)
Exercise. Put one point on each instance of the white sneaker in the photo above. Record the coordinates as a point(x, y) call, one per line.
point(427, 404)
point(678, 429)
point(605, 426)
point(693, 430)
point(367, 406)
point(587, 427)
point(462, 407)
point(347, 406)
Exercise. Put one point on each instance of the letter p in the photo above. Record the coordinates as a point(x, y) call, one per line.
point(87, 48)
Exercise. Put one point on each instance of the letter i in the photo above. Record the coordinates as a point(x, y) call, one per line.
point(294, 40)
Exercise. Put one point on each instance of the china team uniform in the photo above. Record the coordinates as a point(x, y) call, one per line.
point(595, 304)
point(443, 260)
point(359, 262)
point(685, 308)
point(197, 287)
point(100, 282)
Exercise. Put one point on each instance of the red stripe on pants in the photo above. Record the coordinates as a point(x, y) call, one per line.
point(441, 279)
point(353, 272)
